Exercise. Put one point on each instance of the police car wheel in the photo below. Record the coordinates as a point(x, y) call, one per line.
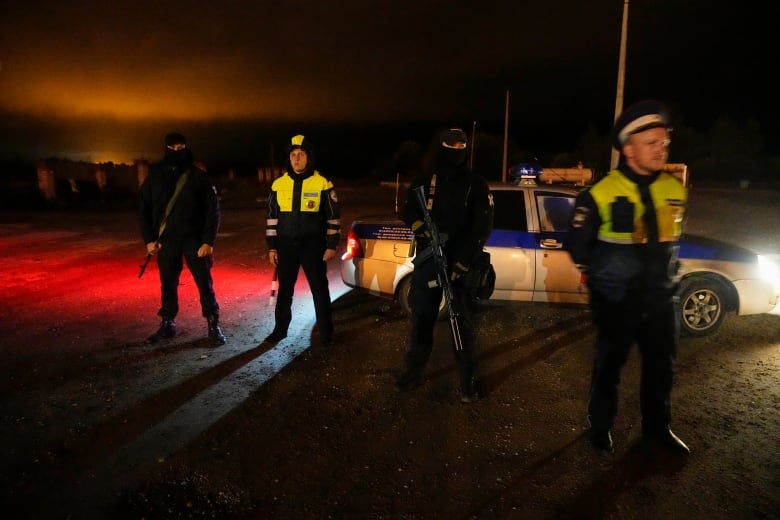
point(403, 299)
point(702, 306)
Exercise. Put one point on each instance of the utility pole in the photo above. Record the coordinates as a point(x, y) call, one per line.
point(473, 144)
point(504, 165)
point(620, 79)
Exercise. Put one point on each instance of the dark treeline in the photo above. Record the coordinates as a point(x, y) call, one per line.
point(730, 152)
point(730, 149)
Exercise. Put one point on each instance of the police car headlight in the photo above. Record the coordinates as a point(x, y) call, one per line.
point(769, 269)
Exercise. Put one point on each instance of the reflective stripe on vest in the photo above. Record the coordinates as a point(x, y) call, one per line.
point(669, 197)
point(311, 190)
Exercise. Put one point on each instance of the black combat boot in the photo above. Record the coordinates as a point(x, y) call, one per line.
point(167, 330)
point(667, 440)
point(275, 336)
point(326, 336)
point(601, 440)
point(410, 379)
point(468, 390)
point(215, 333)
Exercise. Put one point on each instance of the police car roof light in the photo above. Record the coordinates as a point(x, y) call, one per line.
point(526, 173)
point(526, 170)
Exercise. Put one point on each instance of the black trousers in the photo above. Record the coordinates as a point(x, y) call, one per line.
point(170, 262)
point(655, 330)
point(306, 254)
point(424, 300)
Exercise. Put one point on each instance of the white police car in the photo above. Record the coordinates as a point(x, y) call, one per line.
point(527, 248)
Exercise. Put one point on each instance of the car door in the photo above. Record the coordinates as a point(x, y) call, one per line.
point(557, 279)
point(511, 245)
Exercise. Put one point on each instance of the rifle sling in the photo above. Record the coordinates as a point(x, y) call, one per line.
point(169, 207)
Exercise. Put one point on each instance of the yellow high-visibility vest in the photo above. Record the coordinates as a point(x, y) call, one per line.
point(311, 190)
point(669, 198)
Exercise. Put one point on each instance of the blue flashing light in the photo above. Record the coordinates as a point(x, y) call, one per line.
point(527, 171)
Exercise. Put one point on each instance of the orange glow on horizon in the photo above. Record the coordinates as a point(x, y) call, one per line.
point(204, 91)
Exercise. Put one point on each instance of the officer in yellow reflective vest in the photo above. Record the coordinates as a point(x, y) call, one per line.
point(303, 230)
point(624, 236)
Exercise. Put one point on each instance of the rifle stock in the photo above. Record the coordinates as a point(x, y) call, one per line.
point(441, 266)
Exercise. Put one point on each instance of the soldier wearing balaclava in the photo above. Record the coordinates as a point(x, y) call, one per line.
point(461, 208)
point(179, 217)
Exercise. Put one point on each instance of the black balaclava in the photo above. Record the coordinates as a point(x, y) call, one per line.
point(452, 157)
point(180, 160)
point(449, 156)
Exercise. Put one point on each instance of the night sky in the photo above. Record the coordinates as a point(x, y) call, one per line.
point(105, 81)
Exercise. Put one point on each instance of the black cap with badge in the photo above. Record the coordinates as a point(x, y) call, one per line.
point(175, 138)
point(299, 141)
point(453, 138)
point(637, 118)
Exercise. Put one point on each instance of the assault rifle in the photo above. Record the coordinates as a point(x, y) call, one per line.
point(148, 257)
point(437, 252)
point(143, 266)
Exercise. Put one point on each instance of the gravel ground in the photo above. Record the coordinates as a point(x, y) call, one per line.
point(96, 423)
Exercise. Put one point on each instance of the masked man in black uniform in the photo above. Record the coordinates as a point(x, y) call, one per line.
point(624, 236)
point(179, 217)
point(461, 207)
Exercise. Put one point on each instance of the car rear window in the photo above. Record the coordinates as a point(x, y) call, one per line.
point(509, 207)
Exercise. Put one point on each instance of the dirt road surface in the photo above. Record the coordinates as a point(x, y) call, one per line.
point(96, 423)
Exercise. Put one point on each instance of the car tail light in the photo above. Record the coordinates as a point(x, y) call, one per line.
point(354, 249)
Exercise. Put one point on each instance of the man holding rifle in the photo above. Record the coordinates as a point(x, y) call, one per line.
point(458, 208)
point(179, 217)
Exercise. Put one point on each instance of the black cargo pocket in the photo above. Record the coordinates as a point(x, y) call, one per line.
point(481, 278)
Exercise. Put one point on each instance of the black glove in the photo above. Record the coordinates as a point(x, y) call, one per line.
point(421, 235)
point(458, 271)
point(422, 241)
